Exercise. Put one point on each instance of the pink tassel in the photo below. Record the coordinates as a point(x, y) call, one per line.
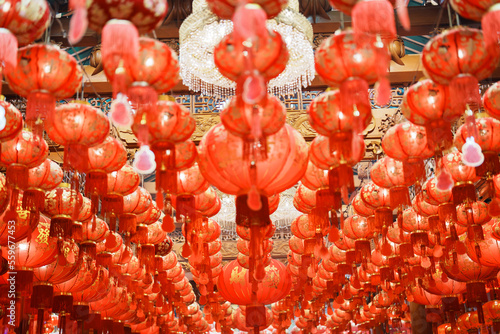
point(120, 43)
point(8, 49)
point(402, 10)
point(374, 17)
point(491, 26)
point(79, 21)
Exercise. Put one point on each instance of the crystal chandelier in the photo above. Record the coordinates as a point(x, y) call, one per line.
point(203, 30)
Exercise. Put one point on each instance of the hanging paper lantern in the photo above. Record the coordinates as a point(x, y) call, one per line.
point(19, 155)
point(397, 177)
point(92, 233)
point(352, 61)
point(170, 125)
point(304, 199)
point(77, 126)
point(253, 123)
point(108, 157)
point(120, 183)
point(42, 178)
point(463, 176)
point(268, 57)
point(133, 204)
point(491, 313)
point(378, 199)
point(222, 165)
point(428, 104)
point(62, 205)
point(274, 287)
point(62, 269)
point(43, 75)
point(22, 226)
point(21, 24)
point(407, 142)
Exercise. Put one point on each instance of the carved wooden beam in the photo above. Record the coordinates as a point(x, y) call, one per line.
point(424, 20)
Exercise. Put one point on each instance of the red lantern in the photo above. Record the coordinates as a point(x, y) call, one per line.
point(269, 56)
point(407, 142)
point(43, 178)
point(304, 199)
point(77, 126)
point(19, 155)
point(222, 165)
point(379, 200)
point(63, 205)
point(62, 269)
point(464, 177)
point(274, 287)
point(397, 177)
point(492, 313)
point(170, 125)
point(428, 104)
point(44, 73)
point(120, 183)
point(352, 61)
point(108, 157)
point(133, 204)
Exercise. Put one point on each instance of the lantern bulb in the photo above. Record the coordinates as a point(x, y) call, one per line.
point(144, 161)
point(471, 153)
point(3, 120)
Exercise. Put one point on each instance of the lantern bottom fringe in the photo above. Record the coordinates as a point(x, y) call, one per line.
point(447, 212)
point(246, 217)
point(383, 218)
point(490, 166)
point(96, 182)
point(185, 206)
point(40, 107)
point(17, 176)
point(420, 238)
point(33, 199)
point(112, 204)
point(128, 223)
point(400, 196)
point(465, 192)
point(62, 303)
point(60, 227)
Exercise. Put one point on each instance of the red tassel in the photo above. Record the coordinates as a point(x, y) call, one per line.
point(8, 50)
point(143, 98)
point(33, 199)
point(383, 88)
point(147, 257)
point(491, 27)
point(96, 182)
point(354, 93)
point(79, 21)
point(77, 157)
point(40, 107)
point(465, 91)
point(374, 17)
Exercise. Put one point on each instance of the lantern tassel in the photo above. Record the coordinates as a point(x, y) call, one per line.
point(40, 107)
point(491, 26)
point(402, 10)
point(79, 21)
point(374, 17)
